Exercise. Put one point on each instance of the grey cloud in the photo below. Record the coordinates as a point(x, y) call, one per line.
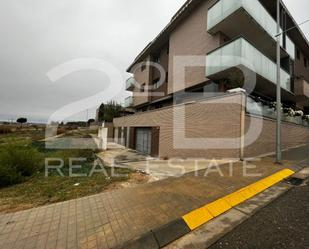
point(38, 35)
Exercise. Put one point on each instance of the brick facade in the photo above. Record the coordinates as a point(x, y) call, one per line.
point(190, 38)
point(205, 119)
point(292, 135)
point(213, 118)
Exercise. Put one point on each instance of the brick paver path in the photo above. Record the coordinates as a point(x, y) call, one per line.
point(111, 218)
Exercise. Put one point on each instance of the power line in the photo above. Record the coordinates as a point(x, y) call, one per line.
point(298, 25)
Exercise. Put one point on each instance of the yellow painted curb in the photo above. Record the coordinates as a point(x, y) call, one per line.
point(197, 218)
point(206, 213)
point(218, 207)
point(235, 198)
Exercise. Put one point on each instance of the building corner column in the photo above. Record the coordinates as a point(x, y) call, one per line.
point(242, 125)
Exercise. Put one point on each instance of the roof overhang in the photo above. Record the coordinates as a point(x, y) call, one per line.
point(296, 34)
point(163, 37)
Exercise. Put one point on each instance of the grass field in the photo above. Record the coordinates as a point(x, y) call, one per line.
point(36, 189)
point(39, 190)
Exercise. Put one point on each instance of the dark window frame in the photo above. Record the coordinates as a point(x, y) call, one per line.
point(142, 89)
point(156, 59)
point(143, 67)
point(155, 83)
point(298, 53)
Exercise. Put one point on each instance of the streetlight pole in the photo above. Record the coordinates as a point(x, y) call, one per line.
point(278, 135)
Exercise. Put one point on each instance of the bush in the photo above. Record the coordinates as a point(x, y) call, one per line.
point(5, 130)
point(18, 162)
point(65, 155)
point(61, 131)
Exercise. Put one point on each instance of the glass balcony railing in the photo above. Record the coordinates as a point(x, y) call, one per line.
point(260, 108)
point(130, 83)
point(128, 102)
point(290, 47)
point(224, 8)
point(241, 52)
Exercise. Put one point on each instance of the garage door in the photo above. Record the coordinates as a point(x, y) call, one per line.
point(143, 140)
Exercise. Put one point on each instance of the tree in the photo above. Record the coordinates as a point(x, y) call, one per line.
point(21, 121)
point(90, 121)
point(109, 111)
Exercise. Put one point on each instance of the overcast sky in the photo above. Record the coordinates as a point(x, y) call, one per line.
point(38, 35)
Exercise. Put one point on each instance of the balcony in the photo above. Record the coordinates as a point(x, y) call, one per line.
point(267, 109)
point(130, 84)
point(231, 60)
point(250, 19)
point(128, 102)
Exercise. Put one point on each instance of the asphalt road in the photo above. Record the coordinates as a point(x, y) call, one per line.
point(282, 224)
point(298, 155)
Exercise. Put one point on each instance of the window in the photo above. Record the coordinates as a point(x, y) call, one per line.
point(166, 77)
point(156, 59)
point(143, 67)
point(298, 53)
point(155, 83)
point(142, 89)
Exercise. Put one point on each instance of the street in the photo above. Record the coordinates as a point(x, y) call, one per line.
point(282, 224)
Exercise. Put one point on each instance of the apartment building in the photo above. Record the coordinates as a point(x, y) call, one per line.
point(230, 43)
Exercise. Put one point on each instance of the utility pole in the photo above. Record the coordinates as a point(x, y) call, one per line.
point(278, 135)
point(279, 36)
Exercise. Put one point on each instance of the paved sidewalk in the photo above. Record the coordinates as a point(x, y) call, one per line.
point(109, 219)
point(157, 169)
